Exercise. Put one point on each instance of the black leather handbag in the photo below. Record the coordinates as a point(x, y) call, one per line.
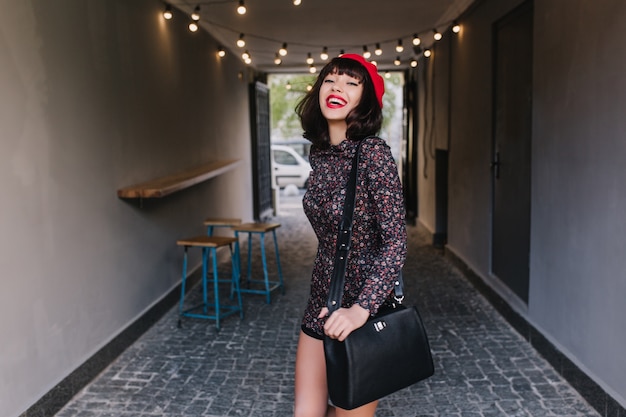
point(389, 352)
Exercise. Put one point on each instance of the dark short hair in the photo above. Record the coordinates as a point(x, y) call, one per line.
point(363, 121)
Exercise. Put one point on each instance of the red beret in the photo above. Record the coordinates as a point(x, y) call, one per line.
point(377, 80)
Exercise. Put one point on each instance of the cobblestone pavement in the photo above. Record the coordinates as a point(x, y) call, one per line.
point(482, 366)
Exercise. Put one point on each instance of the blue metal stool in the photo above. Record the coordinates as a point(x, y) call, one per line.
point(209, 245)
point(212, 222)
point(260, 229)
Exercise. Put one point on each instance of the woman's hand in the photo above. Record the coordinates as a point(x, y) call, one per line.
point(343, 321)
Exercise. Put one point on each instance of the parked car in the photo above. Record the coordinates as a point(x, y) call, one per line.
point(289, 167)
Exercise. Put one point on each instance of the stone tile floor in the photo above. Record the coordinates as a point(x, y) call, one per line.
point(482, 366)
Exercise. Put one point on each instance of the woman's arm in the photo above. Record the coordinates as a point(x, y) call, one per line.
point(385, 193)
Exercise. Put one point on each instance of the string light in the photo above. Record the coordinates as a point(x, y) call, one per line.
point(413, 62)
point(324, 54)
point(288, 86)
point(366, 54)
point(312, 69)
point(241, 9)
point(196, 14)
point(167, 14)
point(399, 47)
point(241, 42)
point(297, 2)
point(375, 63)
point(283, 51)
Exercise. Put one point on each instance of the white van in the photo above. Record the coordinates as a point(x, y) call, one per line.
point(289, 167)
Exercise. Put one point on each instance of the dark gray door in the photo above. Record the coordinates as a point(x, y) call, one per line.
point(261, 159)
point(511, 149)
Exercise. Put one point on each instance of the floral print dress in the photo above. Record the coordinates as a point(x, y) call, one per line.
point(378, 241)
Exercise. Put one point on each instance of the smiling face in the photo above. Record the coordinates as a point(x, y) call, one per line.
point(339, 95)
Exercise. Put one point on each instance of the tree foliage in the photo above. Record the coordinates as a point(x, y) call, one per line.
point(286, 90)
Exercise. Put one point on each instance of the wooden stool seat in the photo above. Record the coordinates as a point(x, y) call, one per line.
point(213, 222)
point(256, 227)
point(267, 286)
point(209, 246)
point(206, 241)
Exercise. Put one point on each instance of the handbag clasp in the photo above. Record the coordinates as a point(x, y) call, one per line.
point(379, 325)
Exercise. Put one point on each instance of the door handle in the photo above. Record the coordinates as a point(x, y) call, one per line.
point(495, 165)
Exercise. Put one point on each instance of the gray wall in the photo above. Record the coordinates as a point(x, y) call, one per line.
point(578, 232)
point(434, 121)
point(578, 267)
point(96, 96)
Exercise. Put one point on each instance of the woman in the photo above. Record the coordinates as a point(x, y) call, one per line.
point(343, 108)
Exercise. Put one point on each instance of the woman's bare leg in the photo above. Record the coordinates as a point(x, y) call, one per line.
point(366, 410)
point(311, 388)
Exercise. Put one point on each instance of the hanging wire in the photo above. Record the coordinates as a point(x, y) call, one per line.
point(397, 41)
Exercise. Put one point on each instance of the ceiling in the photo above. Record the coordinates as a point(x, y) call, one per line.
point(346, 25)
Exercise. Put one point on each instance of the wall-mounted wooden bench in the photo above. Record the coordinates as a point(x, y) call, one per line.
point(161, 187)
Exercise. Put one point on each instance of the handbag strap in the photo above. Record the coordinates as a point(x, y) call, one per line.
point(335, 294)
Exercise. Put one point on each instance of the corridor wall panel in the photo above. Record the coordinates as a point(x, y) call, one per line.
point(578, 182)
point(578, 237)
point(97, 96)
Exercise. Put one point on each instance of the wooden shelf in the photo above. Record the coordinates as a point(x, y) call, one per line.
point(161, 187)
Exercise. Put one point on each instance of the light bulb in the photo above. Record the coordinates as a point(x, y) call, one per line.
point(288, 86)
point(374, 63)
point(309, 59)
point(193, 26)
point(416, 40)
point(413, 63)
point(399, 47)
point(387, 75)
point(221, 52)
point(397, 61)
point(241, 9)
point(167, 14)
point(196, 14)
point(309, 87)
point(277, 60)
point(283, 51)
point(312, 69)
point(241, 42)
point(245, 55)
point(324, 54)
point(366, 54)
point(427, 53)
point(436, 35)
point(378, 51)
point(297, 2)
point(456, 28)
